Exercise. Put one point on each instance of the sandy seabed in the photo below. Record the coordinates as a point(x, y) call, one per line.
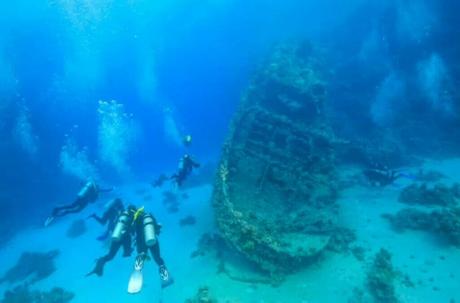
point(432, 266)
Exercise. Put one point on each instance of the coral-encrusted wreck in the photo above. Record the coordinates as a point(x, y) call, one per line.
point(275, 192)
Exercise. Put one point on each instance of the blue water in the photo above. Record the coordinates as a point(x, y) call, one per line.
point(108, 89)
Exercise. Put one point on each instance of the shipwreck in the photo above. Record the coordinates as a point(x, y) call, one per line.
point(275, 192)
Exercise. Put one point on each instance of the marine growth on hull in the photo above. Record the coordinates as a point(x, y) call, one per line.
point(274, 195)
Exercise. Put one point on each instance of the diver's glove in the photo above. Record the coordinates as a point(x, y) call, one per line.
point(165, 277)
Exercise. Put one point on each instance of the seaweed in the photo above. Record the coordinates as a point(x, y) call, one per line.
point(22, 294)
point(77, 229)
point(35, 265)
point(381, 278)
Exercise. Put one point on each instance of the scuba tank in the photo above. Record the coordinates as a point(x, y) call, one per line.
point(149, 230)
point(124, 220)
point(84, 190)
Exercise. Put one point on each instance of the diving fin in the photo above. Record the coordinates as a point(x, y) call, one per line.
point(165, 277)
point(135, 282)
point(48, 221)
point(137, 278)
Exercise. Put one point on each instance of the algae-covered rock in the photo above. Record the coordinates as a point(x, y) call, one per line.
point(443, 223)
point(22, 294)
point(381, 278)
point(202, 296)
point(424, 194)
point(275, 192)
point(33, 265)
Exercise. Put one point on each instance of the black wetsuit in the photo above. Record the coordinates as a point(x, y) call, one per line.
point(126, 242)
point(87, 195)
point(142, 248)
point(381, 177)
point(109, 217)
point(186, 166)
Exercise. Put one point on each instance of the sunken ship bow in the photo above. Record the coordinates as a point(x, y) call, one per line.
point(275, 193)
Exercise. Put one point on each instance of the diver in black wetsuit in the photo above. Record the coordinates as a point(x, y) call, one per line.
point(381, 176)
point(145, 229)
point(109, 217)
point(88, 194)
point(186, 166)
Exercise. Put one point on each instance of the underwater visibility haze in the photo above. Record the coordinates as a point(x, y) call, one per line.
point(230, 151)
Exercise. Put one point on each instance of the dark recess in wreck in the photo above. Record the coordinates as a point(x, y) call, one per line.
point(275, 191)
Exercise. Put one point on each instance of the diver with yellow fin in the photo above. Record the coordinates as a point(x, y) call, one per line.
point(143, 226)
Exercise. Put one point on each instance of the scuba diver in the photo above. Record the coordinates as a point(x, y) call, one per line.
point(186, 166)
point(88, 194)
point(187, 140)
point(381, 176)
point(109, 217)
point(145, 229)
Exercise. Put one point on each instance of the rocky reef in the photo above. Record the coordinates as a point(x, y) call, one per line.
point(381, 278)
point(275, 192)
point(424, 194)
point(202, 296)
point(382, 281)
point(22, 294)
point(34, 266)
point(444, 223)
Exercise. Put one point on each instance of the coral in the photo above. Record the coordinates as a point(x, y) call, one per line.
point(341, 240)
point(202, 296)
point(189, 220)
point(22, 294)
point(279, 159)
point(445, 223)
point(423, 194)
point(35, 265)
point(381, 278)
point(77, 229)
